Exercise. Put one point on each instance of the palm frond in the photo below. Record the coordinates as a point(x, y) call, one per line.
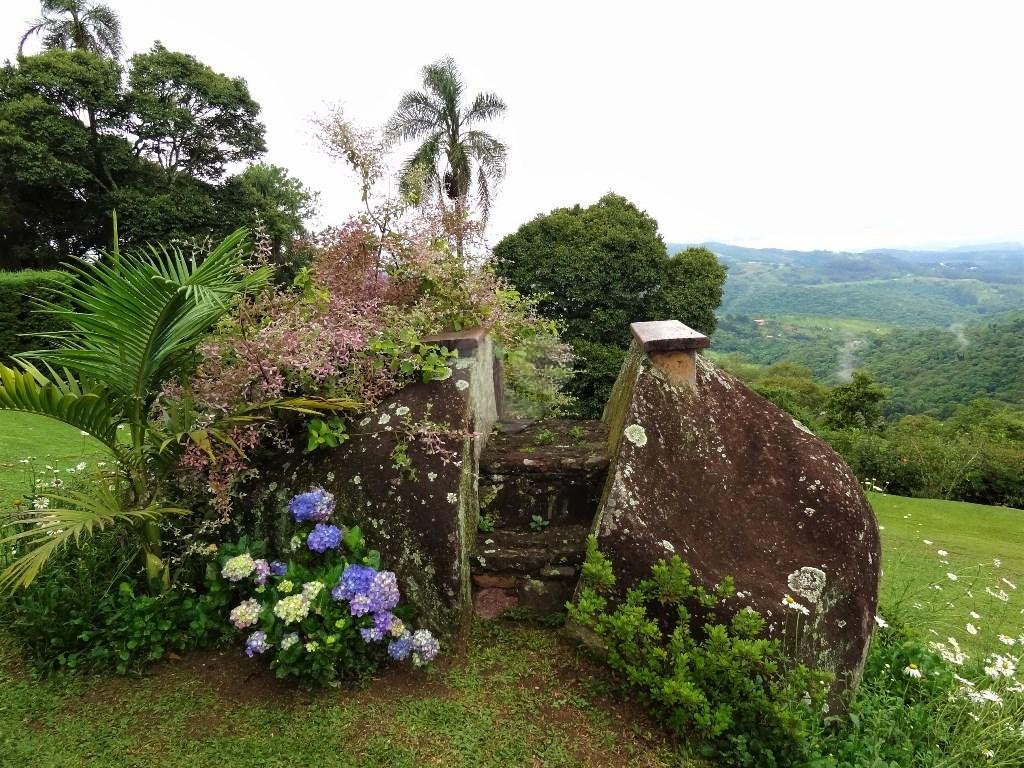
point(70, 518)
point(59, 397)
point(444, 79)
point(417, 114)
point(486, 106)
point(138, 319)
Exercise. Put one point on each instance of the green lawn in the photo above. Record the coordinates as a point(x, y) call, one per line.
point(975, 538)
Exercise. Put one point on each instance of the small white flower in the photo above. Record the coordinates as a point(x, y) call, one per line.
point(431, 476)
point(1010, 584)
point(975, 615)
point(971, 629)
point(942, 553)
point(881, 622)
point(1000, 666)
point(636, 434)
point(912, 671)
point(988, 754)
point(952, 576)
point(452, 498)
point(1006, 640)
point(357, 480)
point(1000, 595)
point(928, 542)
point(80, 466)
point(996, 562)
point(793, 605)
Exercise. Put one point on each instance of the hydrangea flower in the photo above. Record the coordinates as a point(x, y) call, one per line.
point(355, 580)
point(261, 571)
point(315, 506)
point(383, 592)
point(292, 609)
point(400, 649)
point(278, 568)
point(359, 605)
point(245, 614)
point(257, 643)
point(238, 567)
point(324, 537)
point(289, 640)
point(397, 627)
point(424, 647)
point(286, 586)
point(382, 623)
point(311, 589)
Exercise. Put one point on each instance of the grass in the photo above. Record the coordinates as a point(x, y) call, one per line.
point(517, 697)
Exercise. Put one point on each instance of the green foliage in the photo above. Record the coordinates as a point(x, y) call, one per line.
point(577, 433)
point(720, 685)
point(89, 611)
point(856, 404)
point(597, 270)
point(486, 523)
point(18, 293)
point(79, 24)
point(325, 434)
point(538, 523)
point(544, 437)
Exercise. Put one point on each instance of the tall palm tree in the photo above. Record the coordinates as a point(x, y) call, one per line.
point(78, 24)
point(451, 145)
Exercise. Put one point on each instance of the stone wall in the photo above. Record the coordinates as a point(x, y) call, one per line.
point(703, 467)
point(423, 520)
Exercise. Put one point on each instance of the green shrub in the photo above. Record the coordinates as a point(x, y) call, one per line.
point(90, 610)
point(18, 292)
point(723, 686)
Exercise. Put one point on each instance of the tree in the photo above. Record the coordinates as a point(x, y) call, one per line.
point(188, 118)
point(266, 197)
point(597, 270)
point(450, 146)
point(856, 404)
point(78, 24)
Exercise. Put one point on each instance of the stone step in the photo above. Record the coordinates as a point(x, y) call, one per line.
point(547, 553)
point(554, 469)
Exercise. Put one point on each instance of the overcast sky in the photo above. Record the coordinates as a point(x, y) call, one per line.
point(789, 124)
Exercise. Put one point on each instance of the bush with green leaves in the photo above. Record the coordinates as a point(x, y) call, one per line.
point(19, 292)
point(90, 610)
point(598, 269)
point(329, 612)
point(720, 685)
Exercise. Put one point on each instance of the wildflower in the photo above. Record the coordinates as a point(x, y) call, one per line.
point(1000, 595)
point(789, 602)
point(315, 506)
point(245, 614)
point(882, 623)
point(952, 576)
point(324, 537)
point(424, 647)
point(80, 466)
point(1000, 666)
point(943, 553)
point(257, 643)
point(990, 697)
point(40, 502)
point(963, 680)
point(971, 629)
point(292, 609)
point(1010, 584)
point(1006, 640)
point(912, 670)
point(975, 615)
point(383, 592)
point(926, 541)
point(400, 648)
point(996, 562)
point(238, 567)
point(636, 434)
point(289, 640)
point(260, 571)
point(452, 498)
point(355, 580)
point(278, 568)
point(988, 754)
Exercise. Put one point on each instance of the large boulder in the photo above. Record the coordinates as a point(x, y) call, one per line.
point(703, 467)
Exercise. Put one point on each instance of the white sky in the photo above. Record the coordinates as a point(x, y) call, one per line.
point(789, 124)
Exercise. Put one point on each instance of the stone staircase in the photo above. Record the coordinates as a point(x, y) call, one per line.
point(539, 487)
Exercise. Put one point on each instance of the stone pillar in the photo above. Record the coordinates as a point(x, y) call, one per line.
point(672, 348)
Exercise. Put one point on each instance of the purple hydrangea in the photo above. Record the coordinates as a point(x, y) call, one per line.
point(315, 506)
point(400, 649)
point(383, 592)
point(261, 571)
point(382, 623)
point(424, 647)
point(324, 537)
point(278, 568)
point(355, 580)
point(257, 643)
point(359, 605)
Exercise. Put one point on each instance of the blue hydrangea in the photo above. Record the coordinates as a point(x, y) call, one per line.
point(315, 506)
point(382, 623)
point(257, 643)
point(324, 537)
point(383, 592)
point(400, 649)
point(278, 568)
point(355, 580)
point(424, 647)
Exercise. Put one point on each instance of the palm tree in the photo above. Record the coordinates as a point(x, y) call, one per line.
point(138, 319)
point(451, 145)
point(77, 24)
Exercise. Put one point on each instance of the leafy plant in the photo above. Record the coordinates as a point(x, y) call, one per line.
point(544, 437)
point(720, 684)
point(486, 523)
point(577, 433)
point(538, 523)
point(325, 434)
point(137, 320)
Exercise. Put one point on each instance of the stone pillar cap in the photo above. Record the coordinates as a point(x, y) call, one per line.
point(668, 336)
point(467, 340)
